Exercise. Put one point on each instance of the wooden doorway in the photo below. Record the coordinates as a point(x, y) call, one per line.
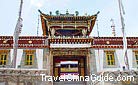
point(64, 65)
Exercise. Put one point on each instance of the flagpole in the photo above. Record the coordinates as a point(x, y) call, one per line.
point(121, 10)
point(16, 36)
point(98, 48)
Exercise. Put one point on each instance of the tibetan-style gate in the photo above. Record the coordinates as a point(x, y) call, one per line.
point(70, 45)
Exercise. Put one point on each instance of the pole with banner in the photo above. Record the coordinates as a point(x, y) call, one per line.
point(16, 34)
point(122, 12)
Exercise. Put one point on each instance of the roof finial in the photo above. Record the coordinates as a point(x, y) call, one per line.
point(98, 12)
point(39, 11)
point(57, 12)
point(50, 13)
point(77, 13)
point(67, 12)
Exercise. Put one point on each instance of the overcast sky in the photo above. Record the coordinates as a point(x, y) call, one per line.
point(108, 9)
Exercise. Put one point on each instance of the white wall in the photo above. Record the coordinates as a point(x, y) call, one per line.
point(120, 57)
point(99, 59)
point(19, 56)
point(130, 55)
point(39, 56)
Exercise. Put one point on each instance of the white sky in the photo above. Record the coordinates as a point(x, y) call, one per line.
point(108, 9)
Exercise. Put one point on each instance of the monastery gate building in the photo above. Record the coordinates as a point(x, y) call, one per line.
point(66, 48)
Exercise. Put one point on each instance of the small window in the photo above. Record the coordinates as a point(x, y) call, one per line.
point(29, 59)
point(136, 56)
point(110, 57)
point(3, 59)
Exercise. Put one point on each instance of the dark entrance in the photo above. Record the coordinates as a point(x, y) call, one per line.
point(64, 65)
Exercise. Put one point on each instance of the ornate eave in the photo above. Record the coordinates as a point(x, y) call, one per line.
point(73, 23)
point(68, 18)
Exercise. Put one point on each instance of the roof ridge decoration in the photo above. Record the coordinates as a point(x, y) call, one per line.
point(67, 15)
point(76, 23)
